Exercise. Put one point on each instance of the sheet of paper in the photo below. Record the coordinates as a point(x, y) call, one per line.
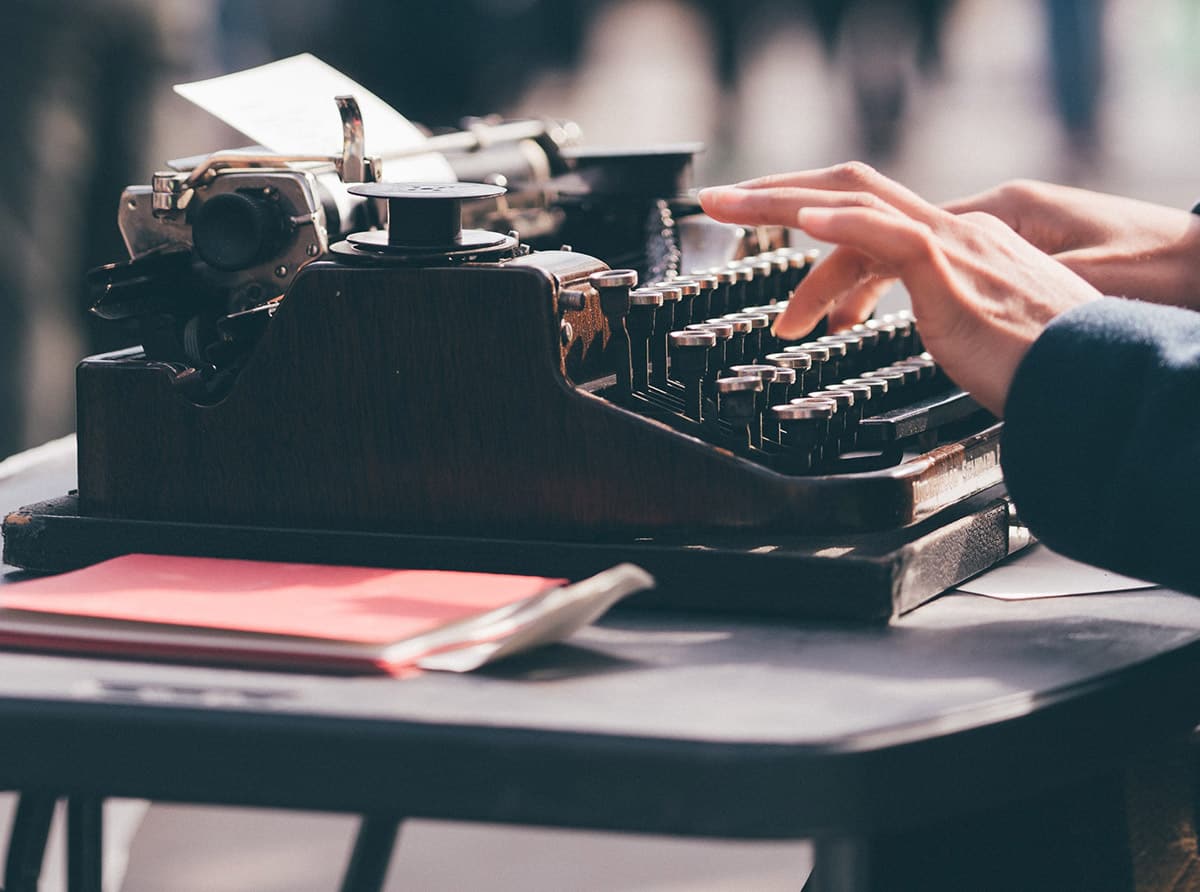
point(287, 106)
point(552, 617)
point(1038, 572)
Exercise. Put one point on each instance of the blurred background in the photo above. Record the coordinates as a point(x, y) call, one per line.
point(949, 96)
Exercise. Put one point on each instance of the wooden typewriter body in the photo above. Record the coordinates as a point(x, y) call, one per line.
point(462, 414)
point(437, 400)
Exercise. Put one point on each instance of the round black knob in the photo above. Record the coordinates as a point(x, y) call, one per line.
point(234, 231)
point(425, 215)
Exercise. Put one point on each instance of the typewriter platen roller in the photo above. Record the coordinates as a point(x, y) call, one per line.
point(434, 395)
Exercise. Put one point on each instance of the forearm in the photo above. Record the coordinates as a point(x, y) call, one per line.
point(1160, 264)
point(1102, 439)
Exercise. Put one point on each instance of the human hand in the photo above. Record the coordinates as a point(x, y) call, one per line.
point(1122, 246)
point(982, 294)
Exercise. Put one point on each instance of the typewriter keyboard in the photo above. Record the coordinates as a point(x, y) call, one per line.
point(697, 353)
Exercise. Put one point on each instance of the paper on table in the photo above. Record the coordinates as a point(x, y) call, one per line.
point(303, 615)
point(553, 616)
point(1038, 572)
point(287, 106)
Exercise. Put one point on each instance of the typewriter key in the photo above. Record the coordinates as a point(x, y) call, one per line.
point(858, 408)
point(759, 325)
point(689, 362)
point(804, 429)
point(735, 351)
point(779, 391)
point(886, 349)
point(896, 393)
point(870, 357)
point(770, 394)
point(921, 376)
point(718, 361)
point(779, 277)
point(737, 406)
point(743, 275)
point(839, 426)
point(800, 363)
point(837, 359)
point(722, 298)
point(925, 363)
point(904, 330)
point(797, 267)
point(818, 375)
point(912, 373)
point(877, 388)
point(664, 323)
point(850, 364)
point(640, 322)
point(760, 289)
point(772, 312)
point(690, 289)
point(701, 306)
point(613, 287)
point(915, 338)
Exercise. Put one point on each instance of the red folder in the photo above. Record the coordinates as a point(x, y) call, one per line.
point(294, 615)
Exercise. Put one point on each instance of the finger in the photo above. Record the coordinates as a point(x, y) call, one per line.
point(856, 305)
point(893, 245)
point(1022, 205)
point(893, 241)
point(778, 207)
point(990, 202)
point(853, 176)
point(838, 274)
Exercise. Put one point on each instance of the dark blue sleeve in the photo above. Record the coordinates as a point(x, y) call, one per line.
point(1101, 444)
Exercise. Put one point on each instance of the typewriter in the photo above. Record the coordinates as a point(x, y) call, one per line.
point(334, 367)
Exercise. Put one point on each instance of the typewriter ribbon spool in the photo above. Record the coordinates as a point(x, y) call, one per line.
point(425, 225)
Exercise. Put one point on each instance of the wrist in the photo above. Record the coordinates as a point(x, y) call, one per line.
point(1190, 259)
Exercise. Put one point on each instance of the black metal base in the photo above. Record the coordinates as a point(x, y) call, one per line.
point(866, 576)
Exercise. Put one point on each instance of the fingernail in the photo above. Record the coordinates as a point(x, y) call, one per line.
point(813, 216)
point(784, 334)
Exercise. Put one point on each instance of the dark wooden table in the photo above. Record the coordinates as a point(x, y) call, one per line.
point(973, 744)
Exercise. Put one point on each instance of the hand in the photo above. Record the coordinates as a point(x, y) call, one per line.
point(982, 294)
point(1122, 246)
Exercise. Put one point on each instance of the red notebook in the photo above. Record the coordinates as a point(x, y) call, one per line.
point(294, 615)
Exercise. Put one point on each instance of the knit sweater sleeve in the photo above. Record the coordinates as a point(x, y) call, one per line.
point(1101, 444)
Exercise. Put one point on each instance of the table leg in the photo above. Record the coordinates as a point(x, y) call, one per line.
point(85, 843)
point(1072, 838)
point(840, 864)
point(372, 853)
point(27, 841)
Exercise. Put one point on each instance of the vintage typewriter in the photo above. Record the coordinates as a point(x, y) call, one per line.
point(333, 367)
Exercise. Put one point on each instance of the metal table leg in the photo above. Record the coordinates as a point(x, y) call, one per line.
point(27, 841)
point(372, 853)
point(85, 843)
point(840, 864)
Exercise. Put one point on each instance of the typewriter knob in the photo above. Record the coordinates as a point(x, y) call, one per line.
point(234, 231)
